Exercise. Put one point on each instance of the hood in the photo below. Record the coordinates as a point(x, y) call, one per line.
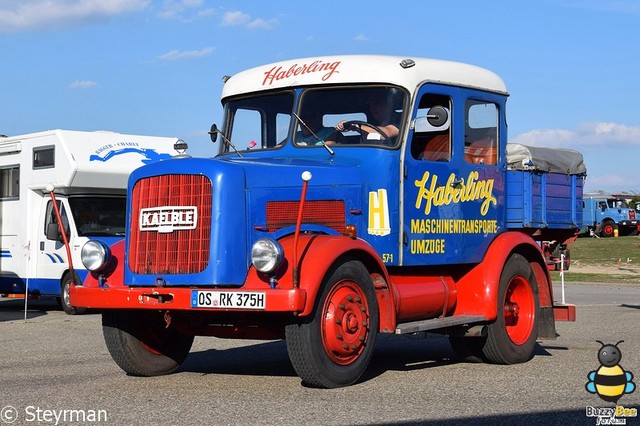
point(242, 191)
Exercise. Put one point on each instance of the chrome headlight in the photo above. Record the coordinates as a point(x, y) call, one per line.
point(94, 255)
point(266, 255)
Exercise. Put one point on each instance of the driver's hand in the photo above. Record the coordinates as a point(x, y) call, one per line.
point(343, 126)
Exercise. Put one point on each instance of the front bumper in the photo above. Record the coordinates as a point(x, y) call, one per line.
point(629, 223)
point(277, 300)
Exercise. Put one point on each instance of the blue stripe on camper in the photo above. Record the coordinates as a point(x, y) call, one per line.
point(55, 258)
point(40, 286)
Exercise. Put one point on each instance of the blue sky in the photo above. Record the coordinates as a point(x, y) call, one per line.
point(155, 67)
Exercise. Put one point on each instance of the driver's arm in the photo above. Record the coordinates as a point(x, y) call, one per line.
point(390, 130)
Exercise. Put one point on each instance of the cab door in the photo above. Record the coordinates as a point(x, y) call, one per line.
point(482, 170)
point(451, 211)
point(429, 163)
point(51, 255)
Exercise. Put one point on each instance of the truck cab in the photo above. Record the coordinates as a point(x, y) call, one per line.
point(350, 196)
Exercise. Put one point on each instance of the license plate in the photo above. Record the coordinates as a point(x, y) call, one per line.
point(228, 299)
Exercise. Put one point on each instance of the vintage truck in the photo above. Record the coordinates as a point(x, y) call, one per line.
point(608, 215)
point(417, 222)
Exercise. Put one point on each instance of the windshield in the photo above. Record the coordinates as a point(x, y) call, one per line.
point(99, 216)
point(349, 116)
point(616, 203)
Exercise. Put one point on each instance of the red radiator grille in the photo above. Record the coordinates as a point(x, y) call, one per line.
point(328, 213)
point(182, 251)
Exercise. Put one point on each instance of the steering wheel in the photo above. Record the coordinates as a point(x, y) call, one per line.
point(349, 125)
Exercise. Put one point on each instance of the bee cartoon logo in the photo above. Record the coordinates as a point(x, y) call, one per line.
point(610, 381)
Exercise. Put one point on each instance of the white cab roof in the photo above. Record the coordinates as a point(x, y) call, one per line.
point(361, 69)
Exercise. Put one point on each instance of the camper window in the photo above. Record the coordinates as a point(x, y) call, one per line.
point(10, 182)
point(44, 157)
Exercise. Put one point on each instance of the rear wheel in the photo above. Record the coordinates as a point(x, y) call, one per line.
point(142, 344)
point(512, 337)
point(333, 346)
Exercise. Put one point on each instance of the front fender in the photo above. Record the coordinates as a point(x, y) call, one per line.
point(317, 253)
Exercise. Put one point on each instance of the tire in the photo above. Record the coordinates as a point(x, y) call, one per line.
point(608, 229)
point(333, 346)
point(64, 296)
point(141, 343)
point(512, 337)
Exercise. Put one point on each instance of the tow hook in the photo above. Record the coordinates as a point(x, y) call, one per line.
point(161, 298)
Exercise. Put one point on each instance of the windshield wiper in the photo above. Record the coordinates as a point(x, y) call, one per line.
point(329, 150)
point(215, 130)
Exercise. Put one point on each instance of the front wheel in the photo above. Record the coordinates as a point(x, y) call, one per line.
point(142, 343)
point(608, 229)
point(65, 300)
point(333, 346)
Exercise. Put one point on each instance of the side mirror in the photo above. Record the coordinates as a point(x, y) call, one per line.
point(436, 119)
point(53, 232)
point(437, 116)
point(213, 133)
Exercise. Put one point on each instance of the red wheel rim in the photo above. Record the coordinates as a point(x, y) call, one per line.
point(608, 230)
point(345, 323)
point(150, 349)
point(519, 310)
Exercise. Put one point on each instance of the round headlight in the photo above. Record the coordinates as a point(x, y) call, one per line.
point(266, 255)
point(94, 255)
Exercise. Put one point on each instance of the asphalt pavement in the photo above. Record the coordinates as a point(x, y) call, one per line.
point(55, 369)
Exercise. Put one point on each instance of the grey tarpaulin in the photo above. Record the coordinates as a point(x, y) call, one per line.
point(552, 160)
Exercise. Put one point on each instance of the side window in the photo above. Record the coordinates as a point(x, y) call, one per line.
point(10, 183)
point(481, 133)
point(51, 221)
point(432, 140)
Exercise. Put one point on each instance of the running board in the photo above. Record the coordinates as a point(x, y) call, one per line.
point(435, 323)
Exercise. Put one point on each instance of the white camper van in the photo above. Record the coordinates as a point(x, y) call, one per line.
point(88, 172)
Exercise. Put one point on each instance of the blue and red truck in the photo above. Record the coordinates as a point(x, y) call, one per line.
point(330, 239)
